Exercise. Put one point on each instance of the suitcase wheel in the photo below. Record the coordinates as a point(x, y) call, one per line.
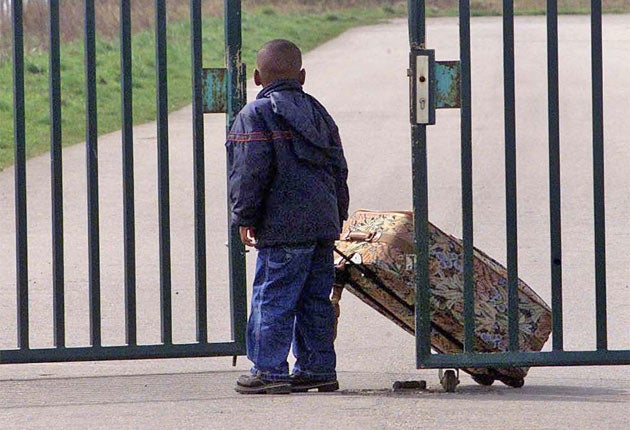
point(483, 379)
point(512, 382)
point(449, 381)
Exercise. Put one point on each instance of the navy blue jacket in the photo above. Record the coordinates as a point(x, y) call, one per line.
point(287, 171)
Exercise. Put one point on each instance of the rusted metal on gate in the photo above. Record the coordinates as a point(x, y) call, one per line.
point(215, 90)
point(447, 84)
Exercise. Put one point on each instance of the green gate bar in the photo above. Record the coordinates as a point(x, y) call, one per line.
point(510, 171)
point(416, 16)
point(555, 217)
point(598, 174)
point(91, 154)
point(199, 171)
point(467, 180)
point(19, 142)
point(129, 233)
point(56, 177)
point(163, 173)
point(236, 97)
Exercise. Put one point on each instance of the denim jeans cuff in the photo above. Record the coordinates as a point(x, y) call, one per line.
point(269, 376)
point(313, 376)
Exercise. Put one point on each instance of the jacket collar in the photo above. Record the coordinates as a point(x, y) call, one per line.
point(280, 85)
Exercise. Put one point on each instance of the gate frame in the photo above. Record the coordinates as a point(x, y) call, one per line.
point(236, 98)
point(513, 357)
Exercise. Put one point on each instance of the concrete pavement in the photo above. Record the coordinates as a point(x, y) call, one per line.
point(361, 78)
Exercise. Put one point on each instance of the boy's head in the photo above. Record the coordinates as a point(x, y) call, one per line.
point(278, 59)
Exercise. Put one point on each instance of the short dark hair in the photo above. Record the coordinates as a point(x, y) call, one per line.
point(278, 59)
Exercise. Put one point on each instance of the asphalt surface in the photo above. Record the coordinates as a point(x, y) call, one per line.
point(361, 78)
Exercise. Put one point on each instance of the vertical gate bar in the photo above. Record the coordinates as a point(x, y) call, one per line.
point(163, 172)
point(598, 174)
point(128, 175)
point(236, 100)
point(417, 39)
point(467, 175)
point(19, 137)
point(421, 241)
point(56, 176)
point(233, 47)
point(199, 171)
point(555, 221)
point(510, 172)
point(92, 174)
point(416, 17)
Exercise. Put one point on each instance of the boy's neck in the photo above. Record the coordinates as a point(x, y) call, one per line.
point(280, 80)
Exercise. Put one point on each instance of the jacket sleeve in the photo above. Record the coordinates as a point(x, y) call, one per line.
point(341, 184)
point(250, 168)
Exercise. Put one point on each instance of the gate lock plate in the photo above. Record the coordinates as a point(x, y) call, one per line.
point(433, 85)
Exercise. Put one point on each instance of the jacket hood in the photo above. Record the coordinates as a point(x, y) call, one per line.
point(319, 143)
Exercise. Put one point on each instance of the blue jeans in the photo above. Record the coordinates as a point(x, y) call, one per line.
point(291, 306)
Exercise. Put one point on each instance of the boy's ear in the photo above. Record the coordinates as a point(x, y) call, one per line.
point(257, 79)
point(302, 77)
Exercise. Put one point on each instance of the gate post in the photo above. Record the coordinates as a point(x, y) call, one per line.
point(236, 97)
point(416, 16)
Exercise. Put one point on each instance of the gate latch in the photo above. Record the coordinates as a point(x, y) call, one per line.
point(432, 85)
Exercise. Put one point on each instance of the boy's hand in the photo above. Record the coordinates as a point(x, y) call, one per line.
point(248, 237)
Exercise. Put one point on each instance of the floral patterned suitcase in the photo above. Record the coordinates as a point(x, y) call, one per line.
point(380, 272)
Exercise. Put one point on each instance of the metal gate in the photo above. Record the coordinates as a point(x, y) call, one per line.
point(432, 88)
point(212, 91)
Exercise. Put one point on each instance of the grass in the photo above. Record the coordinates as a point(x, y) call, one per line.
point(523, 7)
point(258, 25)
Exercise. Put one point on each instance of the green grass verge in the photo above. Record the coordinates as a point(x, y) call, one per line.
point(307, 30)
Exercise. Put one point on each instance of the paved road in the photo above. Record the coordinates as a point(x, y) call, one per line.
point(361, 78)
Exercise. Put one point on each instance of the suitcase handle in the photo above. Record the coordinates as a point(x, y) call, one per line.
point(360, 236)
point(399, 242)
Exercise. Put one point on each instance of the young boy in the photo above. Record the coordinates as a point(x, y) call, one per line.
point(289, 197)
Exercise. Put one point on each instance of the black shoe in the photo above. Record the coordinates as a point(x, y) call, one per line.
point(254, 384)
point(302, 385)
